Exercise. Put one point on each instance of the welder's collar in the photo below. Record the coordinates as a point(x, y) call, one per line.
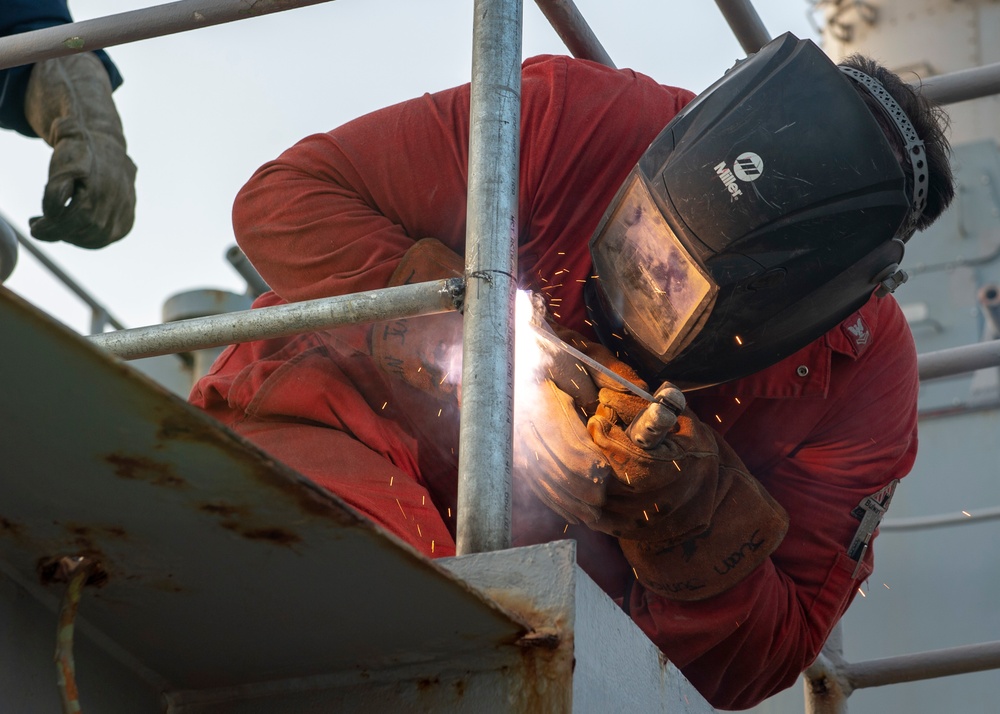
point(806, 373)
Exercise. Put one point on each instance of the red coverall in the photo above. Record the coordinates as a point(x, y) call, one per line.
point(335, 213)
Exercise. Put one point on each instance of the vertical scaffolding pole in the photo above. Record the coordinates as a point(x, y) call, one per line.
point(486, 428)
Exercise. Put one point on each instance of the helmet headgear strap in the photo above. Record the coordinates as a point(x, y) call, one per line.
point(913, 146)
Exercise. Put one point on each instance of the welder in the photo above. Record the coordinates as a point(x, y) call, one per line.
point(89, 200)
point(740, 245)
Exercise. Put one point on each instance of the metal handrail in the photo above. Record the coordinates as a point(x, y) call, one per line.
point(284, 320)
point(100, 316)
point(569, 23)
point(745, 23)
point(131, 26)
point(486, 420)
point(958, 360)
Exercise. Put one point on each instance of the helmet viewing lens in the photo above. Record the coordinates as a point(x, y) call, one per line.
point(661, 295)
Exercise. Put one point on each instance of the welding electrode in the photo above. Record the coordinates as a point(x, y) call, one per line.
point(652, 425)
point(649, 428)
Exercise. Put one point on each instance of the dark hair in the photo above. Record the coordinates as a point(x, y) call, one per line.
point(930, 122)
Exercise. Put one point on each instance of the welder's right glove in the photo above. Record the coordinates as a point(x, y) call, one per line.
point(89, 200)
point(425, 351)
point(689, 517)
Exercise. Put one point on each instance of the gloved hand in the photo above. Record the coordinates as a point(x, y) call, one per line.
point(553, 452)
point(425, 351)
point(689, 517)
point(90, 197)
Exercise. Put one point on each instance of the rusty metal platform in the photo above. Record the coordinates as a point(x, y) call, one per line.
point(222, 566)
point(229, 583)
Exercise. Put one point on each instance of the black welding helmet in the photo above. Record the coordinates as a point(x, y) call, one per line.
point(766, 212)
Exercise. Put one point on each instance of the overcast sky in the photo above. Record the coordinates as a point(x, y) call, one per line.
point(203, 109)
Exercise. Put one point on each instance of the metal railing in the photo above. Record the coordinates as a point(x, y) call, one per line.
point(487, 412)
point(100, 316)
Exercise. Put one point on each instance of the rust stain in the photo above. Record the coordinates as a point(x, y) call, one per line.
point(9, 527)
point(427, 683)
point(50, 570)
point(226, 510)
point(276, 535)
point(141, 468)
point(85, 533)
point(178, 426)
point(265, 470)
point(546, 680)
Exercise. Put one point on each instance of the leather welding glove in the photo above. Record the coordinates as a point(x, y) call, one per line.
point(425, 351)
point(553, 453)
point(689, 517)
point(89, 200)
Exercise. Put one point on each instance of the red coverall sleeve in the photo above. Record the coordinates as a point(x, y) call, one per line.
point(754, 640)
point(335, 212)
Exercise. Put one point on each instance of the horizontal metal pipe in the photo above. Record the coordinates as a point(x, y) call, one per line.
point(156, 21)
point(256, 285)
point(923, 665)
point(745, 24)
point(569, 23)
point(940, 520)
point(959, 360)
point(283, 320)
point(962, 85)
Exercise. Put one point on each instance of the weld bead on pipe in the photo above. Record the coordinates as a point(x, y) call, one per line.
point(651, 426)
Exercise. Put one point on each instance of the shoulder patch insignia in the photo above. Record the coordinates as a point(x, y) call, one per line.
point(857, 332)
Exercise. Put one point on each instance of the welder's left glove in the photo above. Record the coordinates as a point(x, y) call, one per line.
point(425, 351)
point(89, 200)
point(553, 453)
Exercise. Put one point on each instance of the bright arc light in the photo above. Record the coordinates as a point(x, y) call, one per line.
point(529, 355)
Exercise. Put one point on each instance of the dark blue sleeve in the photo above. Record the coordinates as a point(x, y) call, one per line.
point(18, 16)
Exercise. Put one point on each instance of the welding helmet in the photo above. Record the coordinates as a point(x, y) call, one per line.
point(765, 213)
